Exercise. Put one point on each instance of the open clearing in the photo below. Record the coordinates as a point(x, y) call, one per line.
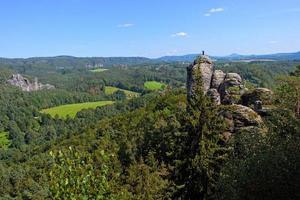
point(72, 109)
point(154, 85)
point(98, 70)
point(110, 90)
point(4, 141)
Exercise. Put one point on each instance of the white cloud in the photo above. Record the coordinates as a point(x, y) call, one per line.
point(213, 11)
point(125, 25)
point(273, 42)
point(179, 34)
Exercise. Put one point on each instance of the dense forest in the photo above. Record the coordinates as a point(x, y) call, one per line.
point(155, 146)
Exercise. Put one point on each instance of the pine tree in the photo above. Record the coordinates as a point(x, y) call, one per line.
point(200, 169)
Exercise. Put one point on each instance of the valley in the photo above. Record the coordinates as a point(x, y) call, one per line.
point(149, 100)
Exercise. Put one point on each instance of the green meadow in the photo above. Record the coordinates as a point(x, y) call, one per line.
point(154, 85)
point(4, 141)
point(72, 109)
point(110, 90)
point(98, 70)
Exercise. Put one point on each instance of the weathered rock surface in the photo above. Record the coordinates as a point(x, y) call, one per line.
point(199, 74)
point(217, 79)
point(228, 90)
point(231, 89)
point(26, 85)
point(214, 95)
point(264, 95)
point(240, 118)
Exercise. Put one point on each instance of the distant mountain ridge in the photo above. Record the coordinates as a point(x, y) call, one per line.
point(235, 57)
point(68, 62)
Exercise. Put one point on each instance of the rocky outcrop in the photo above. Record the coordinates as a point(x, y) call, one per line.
point(26, 85)
point(259, 99)
point(221, 87)
point(199, 75)
point(240, 109)
point(264, 95)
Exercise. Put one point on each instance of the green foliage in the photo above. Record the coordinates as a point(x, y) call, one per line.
point(288, 93)
point(74, 176)
point(145, 182)
point(200, 168)
point(72, 109)
point(296, 72)
point(264, 167)
point(4, 141)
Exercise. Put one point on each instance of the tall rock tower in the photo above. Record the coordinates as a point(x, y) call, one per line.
point(199, 74)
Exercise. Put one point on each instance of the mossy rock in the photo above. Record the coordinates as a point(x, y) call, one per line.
point(259, 94)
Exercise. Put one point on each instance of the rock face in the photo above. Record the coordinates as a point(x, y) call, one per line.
point(199, 74)
point(231, 89)
point(214, 95)
point(217, 79)
point(25, 84)
point(228, 90)
point(222, 88)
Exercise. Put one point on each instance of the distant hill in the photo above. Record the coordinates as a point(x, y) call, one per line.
point(235, 57)
point(69, 62)
point(185, 58)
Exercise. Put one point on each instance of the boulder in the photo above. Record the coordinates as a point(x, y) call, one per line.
point(241, 118)
point(217, 79)
point(264, 95)
point(233, 79)
point(199, 75)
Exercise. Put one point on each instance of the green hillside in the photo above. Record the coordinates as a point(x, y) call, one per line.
point(72, 109)
point(154, 85)
point(110, 90)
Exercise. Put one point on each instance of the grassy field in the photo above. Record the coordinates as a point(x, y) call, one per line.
point(130, 94)
point(154, 85)
point(4, 141)
point(98, 70)
point(72, 109)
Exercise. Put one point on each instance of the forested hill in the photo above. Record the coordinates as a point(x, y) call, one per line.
point(74, 62)
point(70, 62)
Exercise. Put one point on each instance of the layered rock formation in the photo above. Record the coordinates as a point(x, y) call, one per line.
point(241, 108)
point(26, 85)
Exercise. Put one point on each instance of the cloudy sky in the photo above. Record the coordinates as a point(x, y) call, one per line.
point(150, 28)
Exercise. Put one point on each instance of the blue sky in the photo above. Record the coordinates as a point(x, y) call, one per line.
point(150, 28)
